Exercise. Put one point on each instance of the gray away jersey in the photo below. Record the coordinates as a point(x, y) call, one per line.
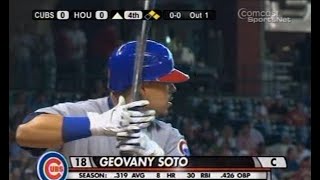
point(167, 137)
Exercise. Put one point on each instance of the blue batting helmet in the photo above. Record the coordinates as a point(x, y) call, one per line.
point(158, 65)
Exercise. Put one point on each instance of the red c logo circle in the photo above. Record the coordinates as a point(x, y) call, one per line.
point(53, 168)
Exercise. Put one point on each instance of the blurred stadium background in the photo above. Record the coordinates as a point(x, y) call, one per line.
point(249, 92)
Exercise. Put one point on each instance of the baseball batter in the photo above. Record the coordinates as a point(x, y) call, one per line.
point(110, 125)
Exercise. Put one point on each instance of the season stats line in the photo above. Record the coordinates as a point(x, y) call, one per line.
point(123, 15)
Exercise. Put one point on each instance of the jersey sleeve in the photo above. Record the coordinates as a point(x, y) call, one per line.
point(176, 144)
point(78, 109)
point(62, 109)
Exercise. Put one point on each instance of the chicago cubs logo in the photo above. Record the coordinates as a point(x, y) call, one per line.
point(183, 147)
point(52, 166)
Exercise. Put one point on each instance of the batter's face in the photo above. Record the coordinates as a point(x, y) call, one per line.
point(159, 95)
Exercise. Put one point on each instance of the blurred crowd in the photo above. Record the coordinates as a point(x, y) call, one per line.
point(269, 126)
point(53, 60)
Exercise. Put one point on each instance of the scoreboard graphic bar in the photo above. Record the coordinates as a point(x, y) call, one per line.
point(123, 15)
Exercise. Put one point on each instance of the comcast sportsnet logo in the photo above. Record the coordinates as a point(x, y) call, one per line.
point(52, 166)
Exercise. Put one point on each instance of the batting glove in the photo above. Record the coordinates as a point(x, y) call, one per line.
point(120, 117)
point(136, 142)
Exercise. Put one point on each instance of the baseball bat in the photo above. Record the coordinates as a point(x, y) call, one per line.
point(141, 45)
point(138, 61)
